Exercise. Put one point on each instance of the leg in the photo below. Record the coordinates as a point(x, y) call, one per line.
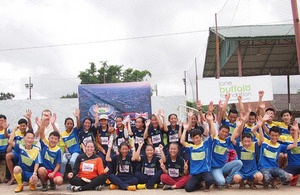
point(267, 177)
point(42, 172)
point(58, 179)
point(100, 180)
point(154, 179)
point(193, 183)
point(10, 165)
point(208, 178)
point(282, 175)
point(18, 175)
point(237, 178)
point(63, 165)
point(232, 168)
point(76, 181)
point(181, 181)
point(73, 159)
point(117, 181)
point(166, 179)
point(258, 177)
point(141, 177)
point(218, 176)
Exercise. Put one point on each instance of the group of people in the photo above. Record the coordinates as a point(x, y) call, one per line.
point(245, 148)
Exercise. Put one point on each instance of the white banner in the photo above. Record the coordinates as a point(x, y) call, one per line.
point(212, 89)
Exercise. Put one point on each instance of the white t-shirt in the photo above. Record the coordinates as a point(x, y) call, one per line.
point(48, 130)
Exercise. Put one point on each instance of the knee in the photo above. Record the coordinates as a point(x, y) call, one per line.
point(258, 177)
point(9, 156)
point(17, 170)
point(220, 181)
point(163, 177)
point(42, 171)
point(237, 178)
point(188, 189)
point(58, 181)
point(238, 163)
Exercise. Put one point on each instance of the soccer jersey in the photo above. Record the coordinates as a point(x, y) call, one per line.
point(200, 157)
point(150, 168)
point(120, 137)
point(104, 136)
point(293, 154)
point(70, 140)
point(85, 136)
point(139, 136)
point(3, 142)
point(28, 158)
point(247, 156)
point(282, 126)
point(126, 168)
point(172, 135)
point(219, 151)
point(230, 125)
point(50, 156)
point(88, 167)
point(247, 128)
point(269, 154)
point(175, 168)
point(156, 136)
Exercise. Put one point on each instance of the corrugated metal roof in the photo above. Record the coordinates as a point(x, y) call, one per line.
point(255, 31)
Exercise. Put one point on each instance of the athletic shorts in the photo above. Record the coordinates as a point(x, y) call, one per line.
point(57, 174)
point(247, 176)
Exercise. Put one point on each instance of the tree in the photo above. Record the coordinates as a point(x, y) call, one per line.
point(113, 74)
point(73, 95)
point(298, 91)
point(6, 96)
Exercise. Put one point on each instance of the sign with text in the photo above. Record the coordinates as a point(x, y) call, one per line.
point(248, 87)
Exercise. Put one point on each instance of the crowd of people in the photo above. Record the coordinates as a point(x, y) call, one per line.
point(213, 148)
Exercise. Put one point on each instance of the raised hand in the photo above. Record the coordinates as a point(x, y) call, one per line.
point(106, 170)
point(249, 108)
point(162, 165)
point(37, 121)
point(295, 126)
point(186, 165)
point(148, 123)
point(209, 116)
point(221, 105)
point(243, 116)
point(199, 105)
point(211, 107)
point(141, 144)
point(262, 105)
point(227, 96)
point(162, 114)
point(261, 93)
point(266, 117)
point(96, 109)
point(190, 114)
point(76, 113)
point(28, 114)
point(259, 121)
point(53, 119)
point(5, 125)
point(161, 147)
point(186, 126)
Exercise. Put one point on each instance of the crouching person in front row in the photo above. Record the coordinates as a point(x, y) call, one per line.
point(29, 161)
point(51, 157)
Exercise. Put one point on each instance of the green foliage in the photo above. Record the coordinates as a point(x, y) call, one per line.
point(191, 104)
point(73, 95)
point(298, 91)
point(6, 96)
point(113, 74)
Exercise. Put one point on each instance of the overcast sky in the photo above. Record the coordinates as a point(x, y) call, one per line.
point(43, 39)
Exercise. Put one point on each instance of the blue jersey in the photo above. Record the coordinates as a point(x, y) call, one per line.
point(120, 137)
point(150, 168)
point(230, 125)
point(175, 168)
point(104, 136)
point(293, 154)
point(139, 136)
point(156, 136)
point(219, 151)
point(50, 156)
point(200, 157)
point(3, 142)
point(70, 140)
point(269, 154)
point(172, 135)
point(247, 156)
point(124, 169)
point(28, 158)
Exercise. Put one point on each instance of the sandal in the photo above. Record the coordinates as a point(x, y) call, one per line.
point(11, 182)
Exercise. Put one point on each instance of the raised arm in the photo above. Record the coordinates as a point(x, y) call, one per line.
point(242, 108)
point(96, 111)
point(223, 113)
point(146, 129)
point(28, 117)
point(165, 125)
point(52, 121)
point(42, 127)
point(137, 156)
point(261, 133)
point(162, 154)
point(107, 158)
point(238, 131)
point(210, 120)
point(76, 114)
point(5, 127)
point(182, 139)
point(260, 104)
point(130, 133)
point(296, 135)
point(199, 108)
point(160, 124)
point(12, 136)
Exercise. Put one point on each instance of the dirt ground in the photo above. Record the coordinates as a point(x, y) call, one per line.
point(62, 190)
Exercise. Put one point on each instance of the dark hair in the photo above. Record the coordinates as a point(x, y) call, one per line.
point(275, 129)
point(285, 111)
point(3, 116)
point(270, 109)
point(54, 133)
point(196, 132)
point(246, 135)
point(69, 119)
point(153, 115)
point(120, 155)
point(149, 145)
point(233, 111)
point(253, 114)
point(87, 119)
point(28, 133)
point(290, 126)
point(224, 126)
point(21, 121)
point(121, 117)
point(174, 143)
point(143, 120)
point(90, 141)
point(214, 117)
point(171, 115)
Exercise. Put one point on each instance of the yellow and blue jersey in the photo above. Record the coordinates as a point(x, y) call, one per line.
point(247, 156)
point(50, 156)
point(230, 125)
point(282, 126)
point(28, 158)
point(219, 151)
point(200, 157)
point(70, 140)
point(293, 154)
point(269, 154)
point(3, 141)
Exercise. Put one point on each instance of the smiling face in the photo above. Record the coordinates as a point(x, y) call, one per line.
point(173, 150)
point(87, 124)
point(271, 114)
point(29, 138)
point(23, 128)
point(154, 121)
point(103, 123)
point(247, 142)
point(173, 120)
point(139, 123)
point(89, 148)
point(286, 117)
point(232, 117)
point(251, 119)
point(124, 150)
point(274, 136)
point(196, 139)
point(119, 123)
point(149, 151)
point(53, 140)
point(223, 133)
point(69, 125)
point(194, 120)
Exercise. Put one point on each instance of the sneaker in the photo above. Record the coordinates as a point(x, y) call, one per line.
point(31, 187)
point(167, 187)
point(141, 186)
point(294, 180)
point(98, 188)
point(52, 185)
point(76, 188)
point(131, 188)
point(113, 187)
point(155, 186)
point(44, 187)
point(19, 189)
point(107, 182)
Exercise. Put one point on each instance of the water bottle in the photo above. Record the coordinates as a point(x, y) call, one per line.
point(69, 187)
